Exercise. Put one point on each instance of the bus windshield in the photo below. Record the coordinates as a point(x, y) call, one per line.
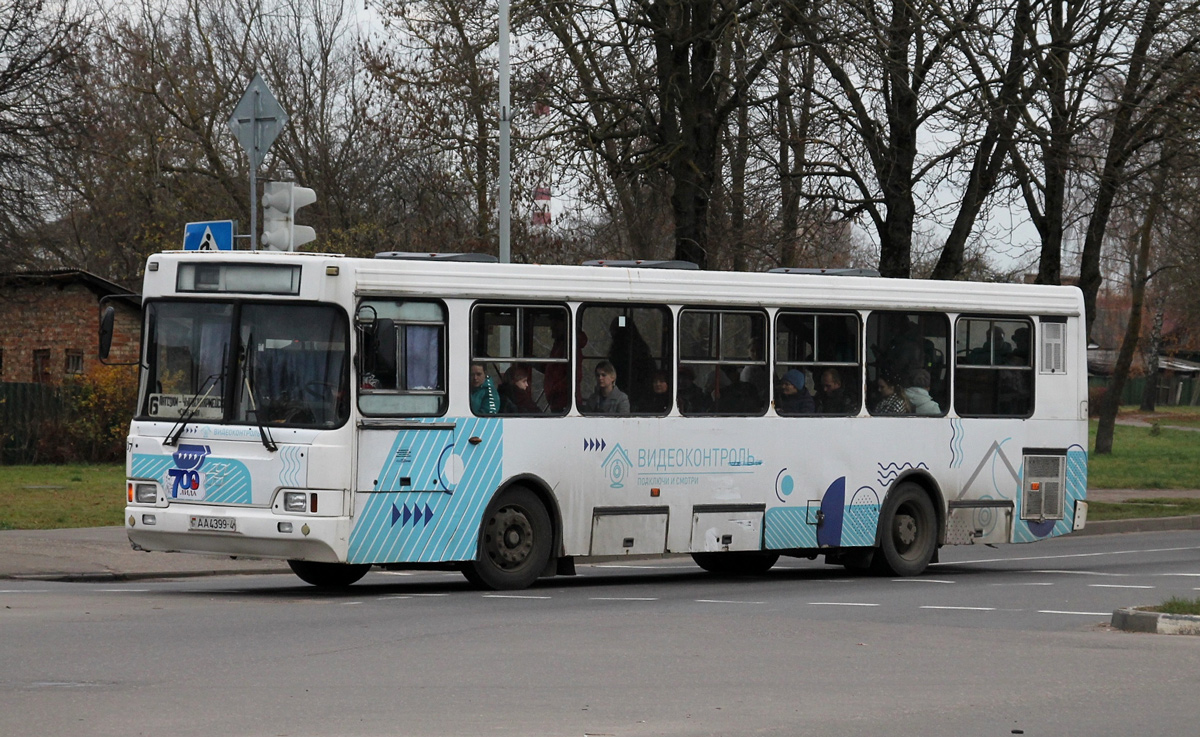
point(275, 364)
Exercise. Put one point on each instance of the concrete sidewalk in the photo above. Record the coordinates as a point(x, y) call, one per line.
point(103, 553)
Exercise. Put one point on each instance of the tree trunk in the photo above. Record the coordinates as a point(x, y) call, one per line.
point(1120, 145)
point(1112, 397)
point(1150, 393)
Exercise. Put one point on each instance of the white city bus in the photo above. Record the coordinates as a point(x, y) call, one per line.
point(506, 420)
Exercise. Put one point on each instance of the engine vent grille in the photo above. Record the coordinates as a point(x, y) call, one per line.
point(1045, 477)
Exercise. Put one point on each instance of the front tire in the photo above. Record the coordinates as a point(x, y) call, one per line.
point(515, 543)
point(739, 563)
point(328, 575)
point(908, 532)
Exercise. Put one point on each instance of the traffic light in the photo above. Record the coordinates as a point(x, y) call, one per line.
point(280, 202)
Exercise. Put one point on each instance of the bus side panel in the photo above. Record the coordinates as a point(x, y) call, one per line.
point(429, 526)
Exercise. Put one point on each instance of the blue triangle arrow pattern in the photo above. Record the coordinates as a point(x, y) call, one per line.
point(594, 444)
point(405, 514)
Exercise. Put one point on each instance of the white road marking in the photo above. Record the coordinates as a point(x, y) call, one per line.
point(512, 596)
point(396, 573)
point(623, 598)
point(1060, 557)
point(351, 603)
point(963, 608)
point(1197, 575)
point(1084, 614)
point(124, 591)
point(839, 603)
point(641, 567)
point(1085, 573)
point(920, 580)
point(726, 601)
point(1116, 586)
point(24, 591)
point(427, 594)
point(1030, 583)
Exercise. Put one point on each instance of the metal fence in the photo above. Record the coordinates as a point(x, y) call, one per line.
point(29, 413)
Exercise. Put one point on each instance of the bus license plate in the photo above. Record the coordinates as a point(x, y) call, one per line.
point(213, 524)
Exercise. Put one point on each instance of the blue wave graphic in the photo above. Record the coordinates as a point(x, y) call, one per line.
point(888, 473)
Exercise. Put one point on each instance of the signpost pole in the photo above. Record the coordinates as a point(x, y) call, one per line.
point(505, 207)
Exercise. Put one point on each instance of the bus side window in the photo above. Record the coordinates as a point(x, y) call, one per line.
point(402, 359)
point(724, 351)
point(524, 352)
point(636, 341)
point(908, 349)
point(993, 367)
point(817, 368)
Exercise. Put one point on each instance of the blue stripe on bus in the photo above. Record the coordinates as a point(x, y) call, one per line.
point(431, 526)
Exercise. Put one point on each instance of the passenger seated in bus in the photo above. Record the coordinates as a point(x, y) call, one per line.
point(515, 395)
point(831, 397)
point(793, 398)
point(484, 398)
point(659, 401)
point(737, 397)
point(892, 400)
point(692, 399)
point(917, 394)
point(607, 399)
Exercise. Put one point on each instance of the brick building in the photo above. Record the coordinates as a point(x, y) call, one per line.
point(49, 324)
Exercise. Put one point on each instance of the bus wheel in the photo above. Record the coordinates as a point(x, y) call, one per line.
point(908, 532)
point(328, 575)
point(740, 563)
point(514, 544)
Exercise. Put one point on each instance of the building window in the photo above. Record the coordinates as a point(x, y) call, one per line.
point(41, 366)
point(73, 363)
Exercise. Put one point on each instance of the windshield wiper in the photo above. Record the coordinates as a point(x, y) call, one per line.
point(263, 433)
point(191, 409)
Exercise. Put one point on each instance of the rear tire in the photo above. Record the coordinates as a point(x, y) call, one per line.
point(514, 544)
point(740, 563)
point(328, 575)
point(908, 532)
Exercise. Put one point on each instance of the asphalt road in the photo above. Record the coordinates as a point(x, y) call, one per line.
point(1002, 641)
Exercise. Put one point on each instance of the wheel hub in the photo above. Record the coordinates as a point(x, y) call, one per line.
point(514, 541)
point(906, 529)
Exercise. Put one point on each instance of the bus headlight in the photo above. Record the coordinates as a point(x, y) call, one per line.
point(295, 501)
point(145, 493)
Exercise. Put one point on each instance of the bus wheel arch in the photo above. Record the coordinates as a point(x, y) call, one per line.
point(911, 527)
point(518, 537)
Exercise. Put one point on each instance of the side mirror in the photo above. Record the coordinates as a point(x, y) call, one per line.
point(365, 318)
point(106, 331)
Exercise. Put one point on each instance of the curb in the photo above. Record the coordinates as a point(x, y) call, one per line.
point(1150, 524)
point(1139, 620)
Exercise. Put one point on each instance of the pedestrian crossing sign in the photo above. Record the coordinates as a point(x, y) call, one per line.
point(214, 235)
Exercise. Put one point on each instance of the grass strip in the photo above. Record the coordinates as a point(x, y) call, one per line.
point(1142, 509)
point(52, 497)
point(1142, 460)
point(1178, 605)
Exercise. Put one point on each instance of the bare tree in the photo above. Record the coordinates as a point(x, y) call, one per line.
point(39, 75)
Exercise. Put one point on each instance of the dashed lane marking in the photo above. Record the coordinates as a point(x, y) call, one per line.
point(623, 598)
point(513, 596)
point(726, 601)
point(963, 608)
point(840, 603)
point(1116, 586)
point(921, 580)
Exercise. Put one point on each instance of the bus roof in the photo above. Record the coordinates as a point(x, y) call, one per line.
point(449, 279)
